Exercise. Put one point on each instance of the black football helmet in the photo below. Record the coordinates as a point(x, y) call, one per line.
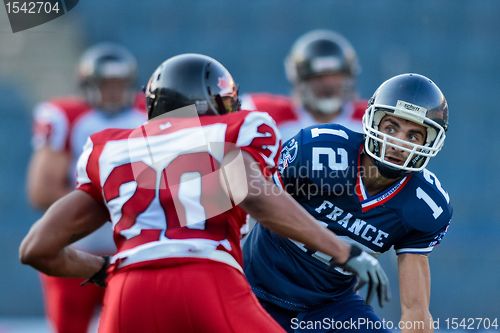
point(106, 61)
point(189, 79)
point(317, 53)
point(411, 97)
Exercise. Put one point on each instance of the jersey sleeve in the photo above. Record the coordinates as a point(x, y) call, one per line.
point(50, 127)
point(247, 102)
point(426, 216)
point(280, 108)
point(421, 242)
point(87, 172)
point(259, 137)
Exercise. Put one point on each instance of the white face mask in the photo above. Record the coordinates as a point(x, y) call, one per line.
point(328, 105)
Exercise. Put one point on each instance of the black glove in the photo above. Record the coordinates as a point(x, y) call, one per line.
point(99, 278)
point(369, 271)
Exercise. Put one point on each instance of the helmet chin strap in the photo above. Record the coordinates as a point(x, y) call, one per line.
point(389, 172)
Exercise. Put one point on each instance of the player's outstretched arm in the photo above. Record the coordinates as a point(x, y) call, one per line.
point(415, 286)
point(276, 209)
point(279, 212)
point(69, 219)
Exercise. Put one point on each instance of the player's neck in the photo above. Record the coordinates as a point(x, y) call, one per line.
point(372, 179)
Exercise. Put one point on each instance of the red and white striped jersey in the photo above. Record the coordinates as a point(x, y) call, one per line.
point(160, 183)
point(291, 119)
point(64, 125)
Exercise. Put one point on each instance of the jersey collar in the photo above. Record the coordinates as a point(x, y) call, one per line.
point(369, 202)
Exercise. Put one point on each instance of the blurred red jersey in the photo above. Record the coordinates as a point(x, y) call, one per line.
point(291, 118)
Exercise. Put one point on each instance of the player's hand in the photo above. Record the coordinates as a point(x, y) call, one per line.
point(369, 271)
point(99, 278)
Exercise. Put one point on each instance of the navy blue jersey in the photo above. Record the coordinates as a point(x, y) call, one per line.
point(320, 168)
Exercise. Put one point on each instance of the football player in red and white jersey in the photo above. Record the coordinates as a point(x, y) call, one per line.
point(322, 66)
point(107, 75)
point(176, 190)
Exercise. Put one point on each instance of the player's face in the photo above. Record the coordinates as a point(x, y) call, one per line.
point(231, 104)
point(115, 93)
point(230, 101)
point(329, 85)
point(402, 129)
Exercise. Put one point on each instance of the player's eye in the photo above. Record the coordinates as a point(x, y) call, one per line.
point(414, 137)
point(389, 129)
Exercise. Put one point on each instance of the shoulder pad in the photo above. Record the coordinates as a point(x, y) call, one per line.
point(279, 107)
point(110, 134)
point(427, 205)
point(71, 106)
point(330, 133)
point(322, 149)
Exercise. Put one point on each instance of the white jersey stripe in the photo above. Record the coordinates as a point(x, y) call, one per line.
point(414, 250)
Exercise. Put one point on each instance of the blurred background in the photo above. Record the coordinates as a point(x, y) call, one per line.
point(454, 42)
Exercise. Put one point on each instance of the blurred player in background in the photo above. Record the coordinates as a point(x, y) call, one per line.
point(373, 190)
point(173, 189)
point(107, 76)
point(322, 66)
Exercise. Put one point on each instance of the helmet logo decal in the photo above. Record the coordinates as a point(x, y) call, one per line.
point(321, 64)
point(288, 154)
point(225, 86)
point(417, 110)
point(222, 83)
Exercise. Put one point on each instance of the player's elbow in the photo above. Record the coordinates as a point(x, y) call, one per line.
point(32, 256)
point(28, 254)
point(252, 203)
point(31, 250)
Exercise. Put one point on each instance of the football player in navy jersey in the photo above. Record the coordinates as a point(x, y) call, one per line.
point(374, 190)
